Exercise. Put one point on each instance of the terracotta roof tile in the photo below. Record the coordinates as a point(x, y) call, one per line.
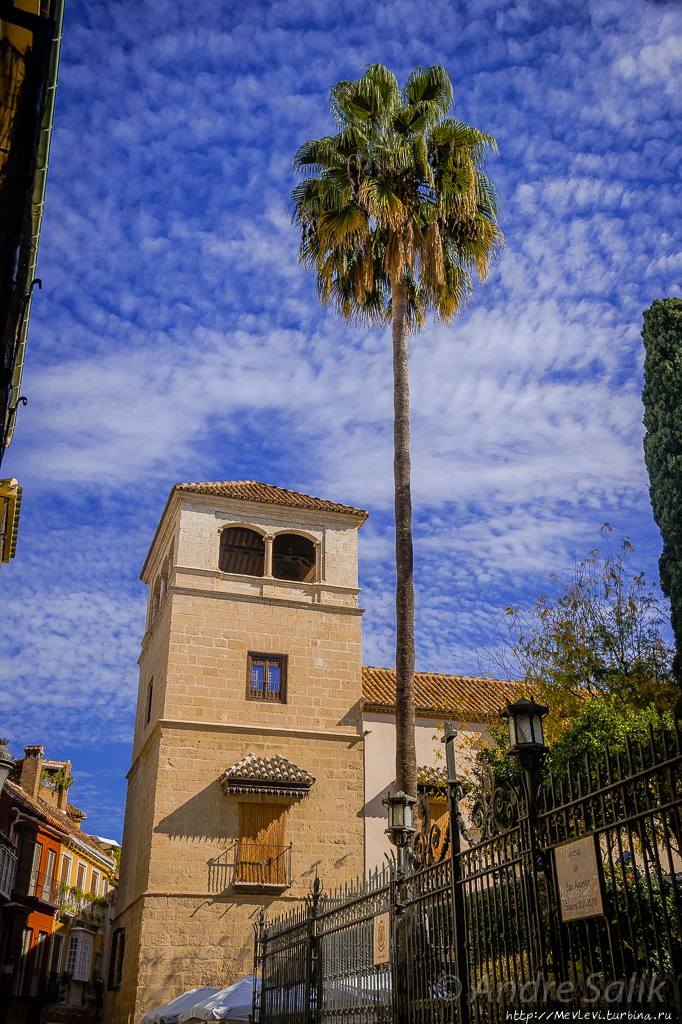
point(467, 698)
point(266, 774)
point(432, 776)
point(254, 490)
point(56, 819)
point(268, 494)
point(39, 806)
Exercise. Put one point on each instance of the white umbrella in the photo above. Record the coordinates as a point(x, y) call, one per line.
point(231, 1003)
point(168, 1013)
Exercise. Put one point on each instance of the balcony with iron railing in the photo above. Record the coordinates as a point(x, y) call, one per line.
point(37, 885)
point(8, 867)
point(259, 866)
point(74, 903)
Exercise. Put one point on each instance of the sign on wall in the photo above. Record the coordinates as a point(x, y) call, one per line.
point(381, 938)
point(577, 872)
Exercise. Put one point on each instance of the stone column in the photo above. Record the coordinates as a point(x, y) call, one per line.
point(318, 561)
point(268, 555)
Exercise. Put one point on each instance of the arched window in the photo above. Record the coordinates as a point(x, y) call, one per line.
point(242, 551)
point(293, 558)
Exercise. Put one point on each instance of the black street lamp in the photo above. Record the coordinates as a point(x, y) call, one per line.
point(7, 762)
point(400, 828)
point(524, 721)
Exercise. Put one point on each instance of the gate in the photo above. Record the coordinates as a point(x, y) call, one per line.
point(502, 918)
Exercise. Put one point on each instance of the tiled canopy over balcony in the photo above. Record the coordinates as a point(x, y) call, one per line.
point(274, 775)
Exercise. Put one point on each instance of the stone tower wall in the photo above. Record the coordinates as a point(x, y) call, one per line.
point(185, 923)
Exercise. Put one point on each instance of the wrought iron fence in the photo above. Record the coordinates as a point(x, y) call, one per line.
point(498, 918)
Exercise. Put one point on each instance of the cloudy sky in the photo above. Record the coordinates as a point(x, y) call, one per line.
point(176, 339)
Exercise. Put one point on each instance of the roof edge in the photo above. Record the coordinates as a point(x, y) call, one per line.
point(186, 488)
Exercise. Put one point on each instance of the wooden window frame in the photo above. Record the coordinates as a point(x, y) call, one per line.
point(116, 954)
point(282, 660)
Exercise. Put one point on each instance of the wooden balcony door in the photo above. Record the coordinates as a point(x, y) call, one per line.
point(261, 857)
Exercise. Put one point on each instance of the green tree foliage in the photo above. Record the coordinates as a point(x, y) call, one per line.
point(662, 398)
point(600, 636)
point(396, 216)
point(605, 720)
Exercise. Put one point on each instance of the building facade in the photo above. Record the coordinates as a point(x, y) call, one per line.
point(53, 927)
point(247, 775)
point(28, 917)
point(471, 703)
point(30, 40)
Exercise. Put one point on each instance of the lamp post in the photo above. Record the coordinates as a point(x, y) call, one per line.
point(6, 763)
point(400, 827)
point(524, 721)
point(400, 830)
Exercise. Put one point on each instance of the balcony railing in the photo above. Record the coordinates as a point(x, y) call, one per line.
point(8, 869)
point(38, 885)
point(72, 901)
point(258, 865)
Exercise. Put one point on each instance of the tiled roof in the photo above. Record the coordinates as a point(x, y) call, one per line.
point(432, 776)
point(56, 819)
point(253, 490)
point(43, 810)
point(467, 698)
point(268, 494)
point(266, 775)
point(432, 781)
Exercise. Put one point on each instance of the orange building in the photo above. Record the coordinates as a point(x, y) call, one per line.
point(53, 927)
point(28, 918)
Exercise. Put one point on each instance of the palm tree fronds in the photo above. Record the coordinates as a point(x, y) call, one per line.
point(430, 86)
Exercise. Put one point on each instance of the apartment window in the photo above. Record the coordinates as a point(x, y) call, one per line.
point(79, 956)
point(80, 876)
point(26, 937)
point(118, 941)
point(66, 870)
point(38, 956)
point(104, 887)
point(94, 883)
point(49, 874)
point(72, 954)
point(242, 551)
point(150, 694)
point(56, 958)
point(35, 868)
point(267, 678)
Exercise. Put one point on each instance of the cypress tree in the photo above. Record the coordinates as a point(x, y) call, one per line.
point(662, 398)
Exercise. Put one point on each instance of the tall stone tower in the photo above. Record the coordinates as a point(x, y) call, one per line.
point(247, 768)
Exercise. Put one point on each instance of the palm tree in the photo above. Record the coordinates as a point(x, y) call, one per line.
point(395, 216)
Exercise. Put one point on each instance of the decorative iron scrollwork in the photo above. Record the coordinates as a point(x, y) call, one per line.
point(496, 809)
point(427, 849)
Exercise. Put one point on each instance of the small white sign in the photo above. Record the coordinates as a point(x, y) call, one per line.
point(578, 877)
point(382, 926)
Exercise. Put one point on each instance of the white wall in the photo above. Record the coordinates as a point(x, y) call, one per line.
point(380, 768)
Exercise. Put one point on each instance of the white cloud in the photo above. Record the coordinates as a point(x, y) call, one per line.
point(176, 338)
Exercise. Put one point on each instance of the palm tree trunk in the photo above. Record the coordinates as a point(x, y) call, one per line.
point(405, 755)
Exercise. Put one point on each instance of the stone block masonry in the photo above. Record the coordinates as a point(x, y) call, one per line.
point(186, 922)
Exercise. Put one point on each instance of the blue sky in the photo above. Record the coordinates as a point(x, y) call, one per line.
point(176, 338)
